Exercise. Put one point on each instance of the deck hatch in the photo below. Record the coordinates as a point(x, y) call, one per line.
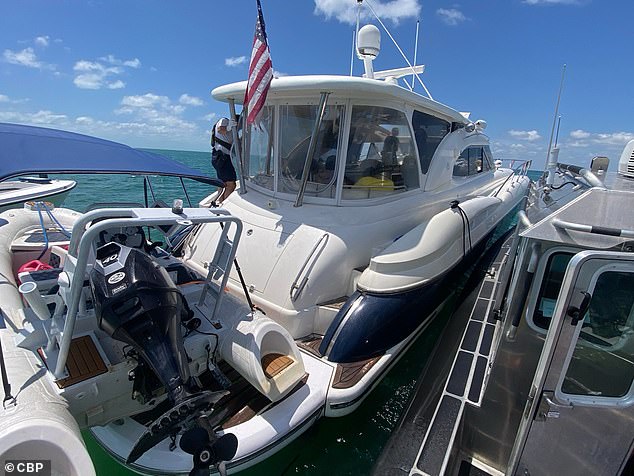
point(84, 362)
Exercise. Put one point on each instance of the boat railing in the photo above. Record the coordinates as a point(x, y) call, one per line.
point(596, 230)
point(86, 231)
point(298, 286)
point(575, 171)
point(520, 169)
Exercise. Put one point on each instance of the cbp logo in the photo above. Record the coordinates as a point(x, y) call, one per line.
point(116, 277)
point(28, 468)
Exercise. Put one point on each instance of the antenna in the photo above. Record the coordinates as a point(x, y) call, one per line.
point(552, 155)
point(411, 88)
point(354, 47)
point(398, 48)
point(557, 134)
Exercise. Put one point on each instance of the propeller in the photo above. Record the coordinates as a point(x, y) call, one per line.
point(197, 443)
point(174, 420)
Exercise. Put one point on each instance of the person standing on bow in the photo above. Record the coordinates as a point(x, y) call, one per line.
point(221, 141)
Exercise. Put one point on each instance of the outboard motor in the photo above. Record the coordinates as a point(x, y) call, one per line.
point(136, 302)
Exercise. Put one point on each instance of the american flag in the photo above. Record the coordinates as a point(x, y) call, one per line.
point(260, 71)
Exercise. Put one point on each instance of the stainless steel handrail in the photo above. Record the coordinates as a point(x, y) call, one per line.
point(596, 230)
point(84, 236)
point(296, 289)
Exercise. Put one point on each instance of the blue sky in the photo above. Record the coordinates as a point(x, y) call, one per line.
point(141, 72)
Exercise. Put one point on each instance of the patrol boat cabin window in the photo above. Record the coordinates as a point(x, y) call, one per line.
point(550, 287)
point(429, 131)
point(296, 127)
point(602, 363)
point(381, 157)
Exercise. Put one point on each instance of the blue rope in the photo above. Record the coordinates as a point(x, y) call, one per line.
point(52, 217)
point(39, 212)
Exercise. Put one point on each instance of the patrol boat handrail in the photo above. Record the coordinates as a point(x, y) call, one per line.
point(597, 230)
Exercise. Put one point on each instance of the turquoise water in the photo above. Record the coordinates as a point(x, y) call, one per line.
point(341, 446)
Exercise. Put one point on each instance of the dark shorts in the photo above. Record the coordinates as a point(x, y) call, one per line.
point(224, 168)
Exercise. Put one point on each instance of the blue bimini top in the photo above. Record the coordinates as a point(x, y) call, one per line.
point(37, 150)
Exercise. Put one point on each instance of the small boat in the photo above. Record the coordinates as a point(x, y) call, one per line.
point(535, 372)
point(14, 193)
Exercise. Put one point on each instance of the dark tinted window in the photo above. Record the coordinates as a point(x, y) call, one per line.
point(470, 162)
point(549, 290)
point(428, 132)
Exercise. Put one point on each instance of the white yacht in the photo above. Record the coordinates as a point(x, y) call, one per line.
point(361, 201)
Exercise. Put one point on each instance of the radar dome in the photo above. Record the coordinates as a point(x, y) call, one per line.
point(369, 41)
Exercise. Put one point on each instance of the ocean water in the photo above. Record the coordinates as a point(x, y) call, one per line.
point(338, 446)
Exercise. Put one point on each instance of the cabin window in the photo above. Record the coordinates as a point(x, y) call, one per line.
point(260, 156)
point(381, 159)
point(549, 289)
point(471, 161)
point(296, 127)
point(602, 363)
point(429, 131)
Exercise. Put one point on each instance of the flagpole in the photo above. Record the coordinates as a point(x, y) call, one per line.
point(234, 132)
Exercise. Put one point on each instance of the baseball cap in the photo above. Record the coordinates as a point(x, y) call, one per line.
point(222, 122)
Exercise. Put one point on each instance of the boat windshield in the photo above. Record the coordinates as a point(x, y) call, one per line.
point(381, 157)
point(296, 127)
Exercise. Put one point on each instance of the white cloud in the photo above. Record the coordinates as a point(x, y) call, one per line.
point(42, 40)
point(579, 134)
point(552, 2)
point(451, 16)
point(156, 111)
point(235, 61)
point(148, 100)
point(583, 138)
point(41, 117)
point(111, 59)
point(118, 84)
point(26, 57)
point(530, 136)
point(345, 11)
point(95, 75)
point(6, 99)
point(188, 100)
point(210, 117)
point(614, 138)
